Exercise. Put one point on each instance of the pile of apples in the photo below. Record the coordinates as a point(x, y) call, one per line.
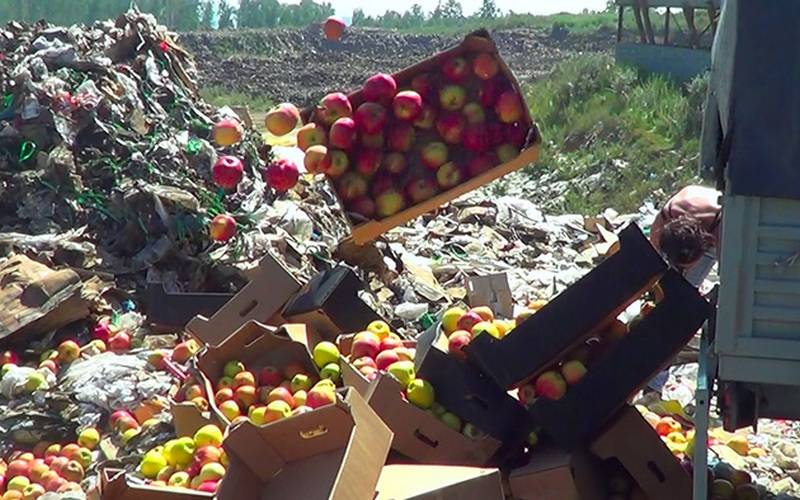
point(48, 468)
point(197, 462)
point(461, 326)
point(273, 394)
point(396, 147)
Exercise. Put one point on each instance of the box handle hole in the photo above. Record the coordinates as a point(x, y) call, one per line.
point(425, 439)
point(248, 308)
point(656, 471)
point(313, 433)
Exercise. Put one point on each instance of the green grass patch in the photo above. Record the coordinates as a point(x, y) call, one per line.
point(616, 138)
point(220, 96)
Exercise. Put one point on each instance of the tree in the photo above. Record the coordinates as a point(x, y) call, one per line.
point(207, 15)
point(488, 10)
point(359, 17)
point(414, 17)
point(452, 10)
point(227, 16)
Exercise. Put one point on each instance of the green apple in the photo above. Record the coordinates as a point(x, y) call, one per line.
point(180, 479)
point(325, 383)
point(208, 435)
point(451, 420)
point(35, 381)
point(325, 353)
point(232, 368)
point(403, 371)
point(211, 472)
point(420, 393)
point(301, 382)
point(450, 319)
point(331, 371)
point(438, 409)
point(152, 463)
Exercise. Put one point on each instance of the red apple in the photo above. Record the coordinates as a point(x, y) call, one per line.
point(468, 320)
point(386, 358)
point(434, 155)
point(423, 85)
point(394, 163)
point(456, 69)
point(509, 107)
point(309, 135)
point(245, 396)
point(227, 132)
point(452, 97)
point(426, 118)
point(282, 119)
point(370, 118)
point(449, 175)
point(332, 107)
point(363, 206)
point(282, 174)
point(421, 189)
point(373, 141)
point(456, 343)
point(497, 133)
point(364, 361)
point(476, 138)
point(407, 105)
point(368, 161)
point(401, 137)
point(381, 183)
point(388, 343)
point(451, 126)
point(269, 375)
point(120, 342)
point(227, 171)
point(222, 228)
point(485, 66)
point(481, 164)
point(380, 88)
point(320, 396)
point(365, 344)
point(389, 203)
point(333, 27)
point(316, 159)
point(281, 394)
point(489, 92)
point(352, 185)
point(222, 395)
point(9, 358)
point(342, 133)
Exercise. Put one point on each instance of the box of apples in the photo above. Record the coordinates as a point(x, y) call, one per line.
point(406, 144)
point(380, 365)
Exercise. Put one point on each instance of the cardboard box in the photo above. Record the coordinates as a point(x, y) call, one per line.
point(330, 304)
point(599, 297)
point(333, 452)
point(115, 484)
point(627, 366)
point(260, 300)
point(553, 474)
point(172, 311)
point(465, 391)
point(363, 232)
point(421, 436)
point(438, 482)
point(631, 440)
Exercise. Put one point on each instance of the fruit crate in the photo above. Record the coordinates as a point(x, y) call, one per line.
point(367, 229)
point(469, 394)
point(599, 296)
point(622, 371)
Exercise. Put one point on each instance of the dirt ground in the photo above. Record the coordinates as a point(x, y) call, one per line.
point(300, 66)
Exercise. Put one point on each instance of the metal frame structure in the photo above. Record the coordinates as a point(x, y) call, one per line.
point(641, 14)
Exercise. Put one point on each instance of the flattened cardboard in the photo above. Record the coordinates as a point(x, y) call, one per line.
point(628, 365)
point(492, 290)
point(330, 304)
point(554, 474)
point(257, 345)
point(598, 298)
point(334, 452)
point(631, 440)
point(261, 300)
point(115, 485)
point(438, 482)
point(421, 436)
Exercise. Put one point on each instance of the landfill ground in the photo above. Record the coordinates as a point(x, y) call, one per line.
point(108, 194)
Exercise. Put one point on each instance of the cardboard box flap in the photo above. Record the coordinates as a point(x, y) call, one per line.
point(554, 474)
point(320, 288)
point(187, 419)
point(260, 299)
point(439, 482)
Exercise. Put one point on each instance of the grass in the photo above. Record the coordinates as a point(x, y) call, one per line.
point(615, 138)
point(577, 23)
point(220, 96)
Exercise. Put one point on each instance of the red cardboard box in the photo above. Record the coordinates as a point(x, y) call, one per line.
point(438, 482)
point(333, 452)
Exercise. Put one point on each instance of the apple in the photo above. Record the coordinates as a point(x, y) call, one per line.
point(365, 344)
point(50, 365)
point(300, 398)
point(456, 343)
point(9, 358)
point(116, 417)
point(230, 409)
point(320, 396)
point(394, 163)
point(405, 353)
point(281, 175)
point(282, 119)
point(208, 486)
point(372, 141)
point(451, 420)
point(311, 134)
point(451, 126)
point(34, 381)
point(403, 371)
point(201, 403)
point(508, 107)
point(407, 105)
point(333, 27)
point(245, 396)
point(449, 175)
point(68, 351)
point(476, 138)
point(450, 319)
point(452, 97)
point(380, 328)
point(69, 486)
point(496, 132)
point(456, 69)
point(472, 432)
point(473, 112)
point(485, 312)
point(263, 393)
point(84, 457)
point(380, 88)
point(384, 359)
point(227, 132)
point(325, 352)
point(208, 435)
point(244, 378)
point(227, 171)
point(480, 164)
point(332, 107)
point(268, 375)
point(389, 203)
point(225, 382)
point(533, 438)
point(426, 118)
point(550, 385)
point(185, 350)
point(336, 163)
point(401, 137)
point(434, 155)
point(370, 118)
point(179, 479)
point(573, 371)
point(325, 384)
point(526, 394)
point(363, 361)
point(73, 472)
point(343, 133)
point(421, 189)
point(120, 342)
point(506, 152)
point(179, 452)
point(331, 371)
point(352, 185)
point(102, 331)
point(89, 438)
point(363, 206)
point(515, 133)
point(382, 183)
point(53, 450)
point(389, 343)
point(301, 382)
point(222, 228)
point(18, 468)
point(489, 92)
point(58, 464)
point(368, 161)
point(368, 371)
point(485, 66)
point(420, 393)
point(51, 480)
point(281, 394)
point(211, 472)
point(315, 159)
point(423, 85)
point(233, 368)
point(468, 320)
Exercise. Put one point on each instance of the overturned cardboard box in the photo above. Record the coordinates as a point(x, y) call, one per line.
point(116, 484)
point(334, 452)
point(271, 286)
point(438, 482)
point(553, 474)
